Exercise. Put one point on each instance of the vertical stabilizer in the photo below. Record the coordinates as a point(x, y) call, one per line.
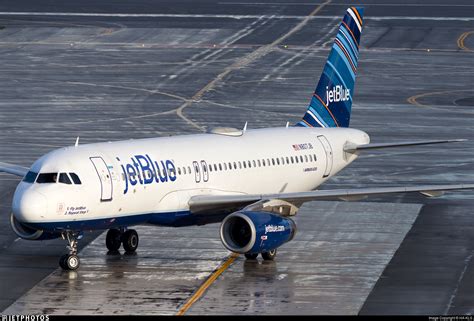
point(331, 103)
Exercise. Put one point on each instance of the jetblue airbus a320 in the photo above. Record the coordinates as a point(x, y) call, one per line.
point(252, 181)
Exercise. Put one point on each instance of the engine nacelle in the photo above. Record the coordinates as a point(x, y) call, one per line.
point(256, 232)
point(29, 233)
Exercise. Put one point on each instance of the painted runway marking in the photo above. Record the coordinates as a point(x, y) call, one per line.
point(340, 3)
point(461, 39)
point(202, 289)
point(220, 16)
point(414, 99)
point(243, 62)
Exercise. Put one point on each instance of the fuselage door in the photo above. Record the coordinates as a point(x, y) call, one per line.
point(205, 171)
point(328, 151)
point(197, 172)
point(105, 178)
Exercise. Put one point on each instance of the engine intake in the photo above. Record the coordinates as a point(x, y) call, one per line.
point(29, 233)
point(256, 232)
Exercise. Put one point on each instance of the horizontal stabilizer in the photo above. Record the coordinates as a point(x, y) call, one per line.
point(351, 148)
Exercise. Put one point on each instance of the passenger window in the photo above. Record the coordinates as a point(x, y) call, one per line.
point(179, 170)
point(76, 179)
point(215, 167)
point(210, 167)
point(240, 165)
point(220, 166)
point(47, 178)
point(292, 160)
point(314, 157)
point(250, 164)
point(235, 165)
point(296, 159)
point(63, 178)
point(230, 165)
point(287, 160)
point(30, 177)
point(263, 162)
point(278, 161)
point(254, 164)
point(189, 169)
point(301, 158)
point(273, 161)
point(259, 164)
point(306, 158)
point(225, 166)
point(245, 164)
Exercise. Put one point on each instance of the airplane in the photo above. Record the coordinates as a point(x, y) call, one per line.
point(251, 180)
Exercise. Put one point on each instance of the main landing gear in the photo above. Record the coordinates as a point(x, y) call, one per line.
point(267, 256)
point(127, 238)
point(70, 262)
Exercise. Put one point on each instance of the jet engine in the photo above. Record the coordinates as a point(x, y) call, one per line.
point(29, 233)
point(256, 232)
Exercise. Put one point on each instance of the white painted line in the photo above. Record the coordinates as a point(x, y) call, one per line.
point(345, 4)
point(218, 16)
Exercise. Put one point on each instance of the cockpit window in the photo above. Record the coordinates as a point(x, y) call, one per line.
point(47, 178)
point(75, 178)
point(30, 177)
point(63, 178)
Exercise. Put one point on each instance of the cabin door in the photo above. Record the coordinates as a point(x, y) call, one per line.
point(105, 178)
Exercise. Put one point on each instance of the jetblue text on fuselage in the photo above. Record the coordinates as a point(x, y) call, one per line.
point(337, 94)
point(143, 170)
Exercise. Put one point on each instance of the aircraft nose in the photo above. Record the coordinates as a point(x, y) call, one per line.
point(29, 205)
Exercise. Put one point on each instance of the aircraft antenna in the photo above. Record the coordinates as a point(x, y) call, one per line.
point(245, 127)
point(77, 142)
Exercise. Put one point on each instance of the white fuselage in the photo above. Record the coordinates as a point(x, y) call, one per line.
point(137, 178)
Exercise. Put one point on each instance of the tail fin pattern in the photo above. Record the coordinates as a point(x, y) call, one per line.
point(331, 103)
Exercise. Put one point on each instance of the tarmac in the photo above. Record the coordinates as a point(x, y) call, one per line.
point(107, 71)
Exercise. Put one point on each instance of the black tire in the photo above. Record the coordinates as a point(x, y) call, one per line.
point(62, 261)
point(249, 256)
point(270, 255)
point(72, 262)
point(113, 240)
point(130, 241)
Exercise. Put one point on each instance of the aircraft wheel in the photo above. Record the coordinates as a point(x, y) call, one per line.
point(72, 262)
point(250, 256)
point(270, 255)
point(62, 261)
point(130, 240)
point(112, 240)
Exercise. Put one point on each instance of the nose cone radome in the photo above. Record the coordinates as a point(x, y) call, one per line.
point(29, 205)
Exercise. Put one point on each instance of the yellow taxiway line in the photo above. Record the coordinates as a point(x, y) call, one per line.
point(202, 289)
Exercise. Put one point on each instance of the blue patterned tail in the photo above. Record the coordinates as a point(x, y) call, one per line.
point(331, 103)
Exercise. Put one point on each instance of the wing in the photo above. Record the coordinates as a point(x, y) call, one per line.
point(203, 203)
point(352, 148)
point(13, 169)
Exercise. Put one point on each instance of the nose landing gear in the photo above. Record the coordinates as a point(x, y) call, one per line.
point(70, 261)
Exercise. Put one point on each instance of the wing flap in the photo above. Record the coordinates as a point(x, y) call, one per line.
point(13, 169)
